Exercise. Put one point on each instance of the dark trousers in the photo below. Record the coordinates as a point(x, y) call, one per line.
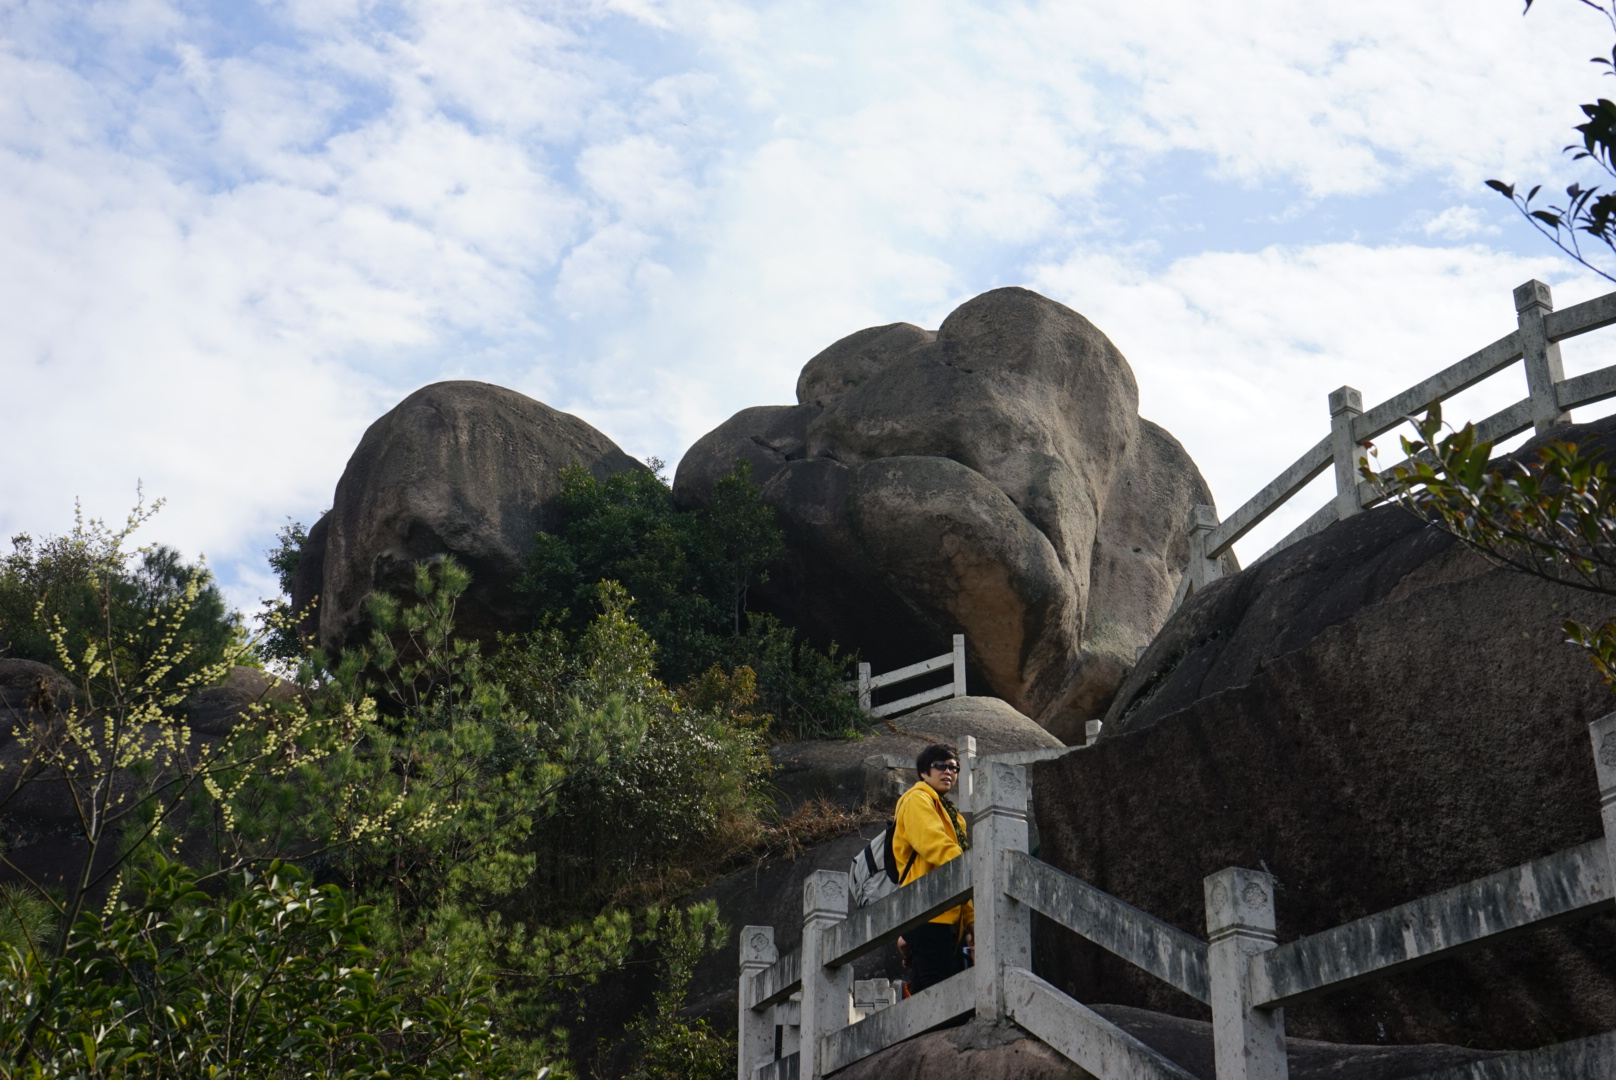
point(934, 951)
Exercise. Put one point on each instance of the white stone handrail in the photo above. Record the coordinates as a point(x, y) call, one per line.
point(866, 683)
point(1565, 883)
point(1165, 951)
point(1550, 397)
point(798, 1019)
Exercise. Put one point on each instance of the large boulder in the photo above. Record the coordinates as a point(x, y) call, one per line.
point(991, 478)
point(216, 710)
point(466, 469)
point(1373, 714)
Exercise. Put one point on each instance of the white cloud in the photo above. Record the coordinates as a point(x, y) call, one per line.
point(231, 247)
point(1236, 353)
point(1459, 223)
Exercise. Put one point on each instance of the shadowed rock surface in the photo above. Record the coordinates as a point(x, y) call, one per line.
point(467, 469)
point(1372, 714)
point(217, 709)
point(837, 769)
point(991, 478)
point(770, 894)
point(980, 1050)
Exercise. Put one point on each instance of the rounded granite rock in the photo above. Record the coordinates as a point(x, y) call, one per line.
point(462, 468)
point(991, 478)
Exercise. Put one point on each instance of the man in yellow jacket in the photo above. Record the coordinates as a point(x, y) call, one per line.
point(928, 831)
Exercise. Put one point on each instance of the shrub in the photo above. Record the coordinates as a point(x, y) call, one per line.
point(689, 574)
point(276, 980)
point(85, 588)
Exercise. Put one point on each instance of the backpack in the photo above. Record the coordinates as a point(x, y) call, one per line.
point(874, 872)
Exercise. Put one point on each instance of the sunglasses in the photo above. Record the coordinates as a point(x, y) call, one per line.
point(945, 766)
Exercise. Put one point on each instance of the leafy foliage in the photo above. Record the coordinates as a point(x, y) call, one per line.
point(502, 808)
point(493, 816)
point(689, 573)
point(670, 1048)
point(85, 587)
point(1587, 211)
point(279, 980)
point(1553, 517)
point(278, 621)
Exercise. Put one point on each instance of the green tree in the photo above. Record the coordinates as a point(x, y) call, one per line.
point(689, 573)
point(276, 978)
point(1587, 212)
point(512, 814)
point(88, 587)
point(277, 621)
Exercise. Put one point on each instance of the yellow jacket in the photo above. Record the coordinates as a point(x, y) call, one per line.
point(921, 827)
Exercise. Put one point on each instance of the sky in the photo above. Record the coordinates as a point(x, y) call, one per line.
point(237, 232)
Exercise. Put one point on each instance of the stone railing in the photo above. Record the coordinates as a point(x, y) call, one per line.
point(802, 1016)
point(867, 684)
point(1550, 397)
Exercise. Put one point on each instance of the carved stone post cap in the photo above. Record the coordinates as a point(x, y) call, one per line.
point(1001, 787)
point(824, 895)
point(1533, 294)
point(757, 946)
point(1346, 399)
point(1203, 518)
point(1239, 901)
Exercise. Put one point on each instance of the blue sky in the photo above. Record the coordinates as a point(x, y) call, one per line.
point(239, 232)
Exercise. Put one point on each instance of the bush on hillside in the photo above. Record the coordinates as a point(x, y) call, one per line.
point(85, 587)
point(690, 574)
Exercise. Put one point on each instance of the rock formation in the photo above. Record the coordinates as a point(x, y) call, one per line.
point(467, 469)
point(993, 478)
point(1372, 715)
point(855, 771)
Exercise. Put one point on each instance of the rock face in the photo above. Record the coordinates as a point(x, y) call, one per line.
point(842, 770)
point(993, 478)
point(1372, 714)
point(980, 1050)
point(467, 469)
point(217, 709)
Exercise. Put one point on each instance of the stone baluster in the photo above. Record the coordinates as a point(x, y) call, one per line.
point(1533, 301)
point(964, 793)
point(755, 1029)
point(1247, 1043)
point(1346, 405)
point(959, 665)
point(826, 994)
point(1202, 569)
point(1603, 734)
point(1003, 925)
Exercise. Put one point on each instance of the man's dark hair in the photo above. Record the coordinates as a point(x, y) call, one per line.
point(932, 755)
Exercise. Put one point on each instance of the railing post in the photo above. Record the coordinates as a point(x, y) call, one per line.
point(1003, 925)
point(864, 687)
point(1247, 1043)
point(1346, 405)
point(755, 1030)
point(959, 665)
point(965, 787)
point(1603, 733)
point(826, 995)
point(1203, 569)
point(1543, 367)
point(1091, 731)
